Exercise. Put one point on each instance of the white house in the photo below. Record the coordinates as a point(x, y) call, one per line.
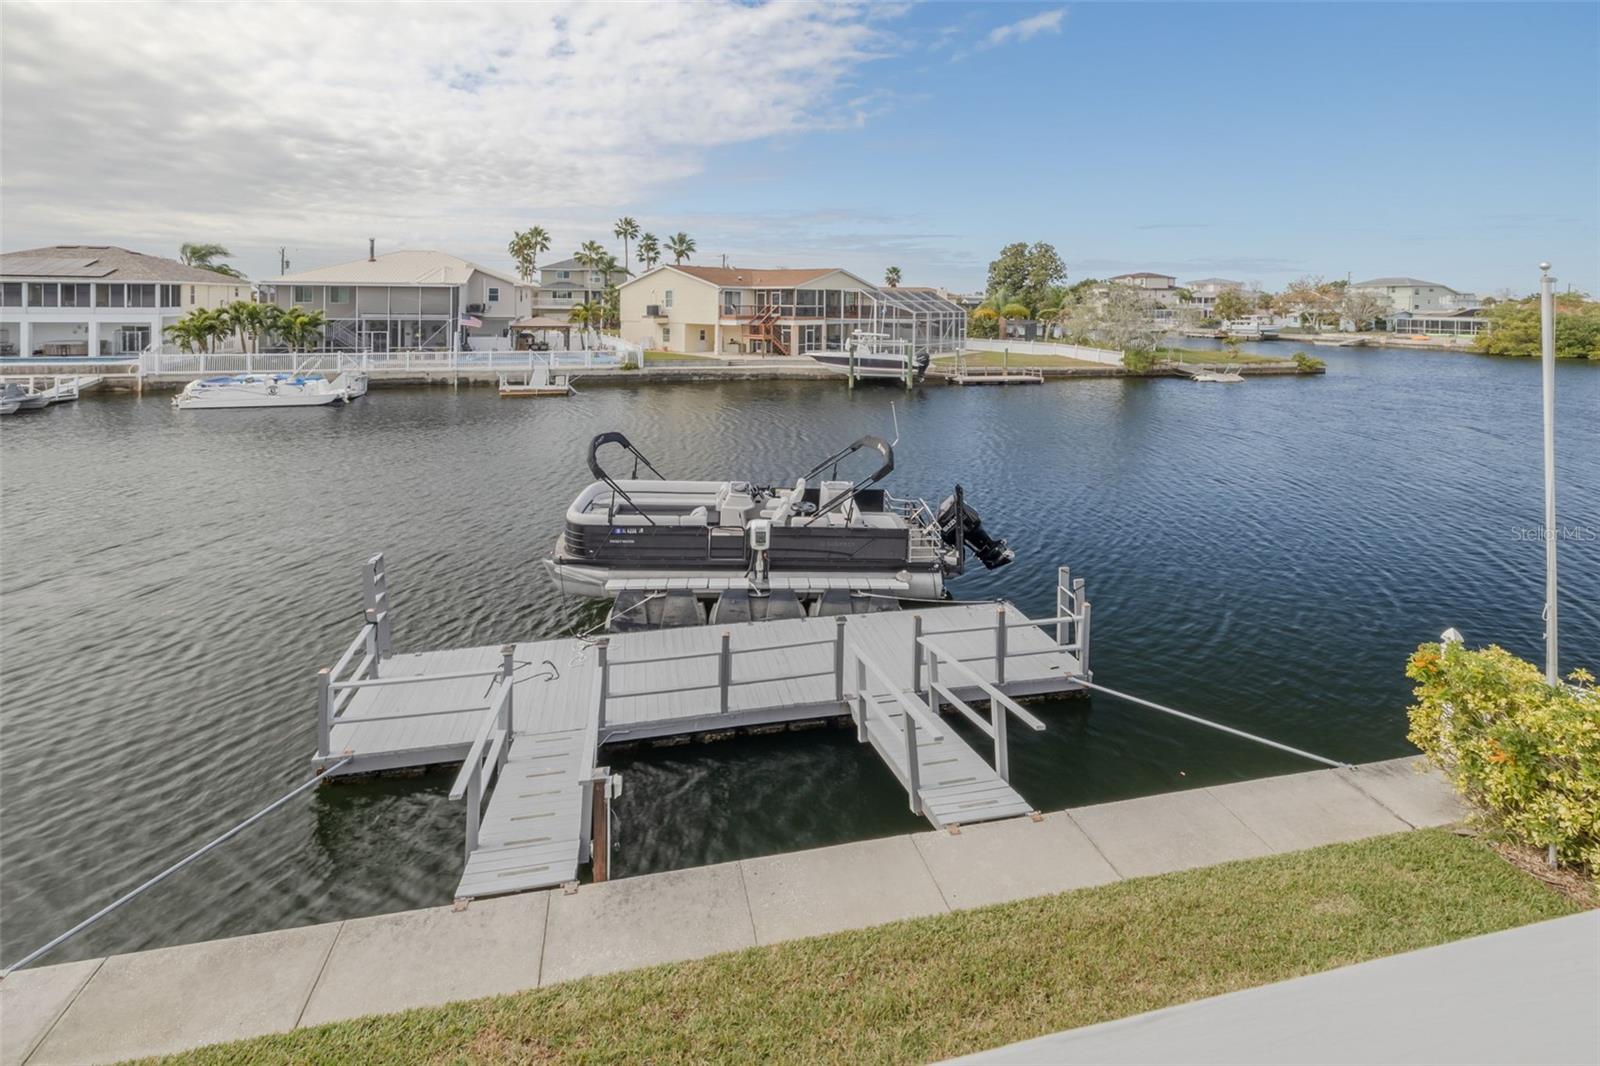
point(1415, 295)
point(99, 300)
point(779, 312)
point(568, 283)
point(407, 300)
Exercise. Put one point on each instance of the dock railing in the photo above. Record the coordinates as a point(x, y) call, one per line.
point(939, 693)
point(916, 715)
point(490, 748)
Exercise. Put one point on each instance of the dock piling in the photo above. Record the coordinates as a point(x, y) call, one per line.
point(324, 712)
point(600, 820)
point(1063, 607)
point(838, 659)
point(724, 671)
point(1000, 644)
point(916, 654)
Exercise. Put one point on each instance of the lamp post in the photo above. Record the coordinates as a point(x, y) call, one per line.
point(1547, 330)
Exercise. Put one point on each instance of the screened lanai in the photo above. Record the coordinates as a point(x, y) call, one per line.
point(921, 318)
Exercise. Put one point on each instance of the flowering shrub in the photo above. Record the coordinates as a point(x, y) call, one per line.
point(1525, 752)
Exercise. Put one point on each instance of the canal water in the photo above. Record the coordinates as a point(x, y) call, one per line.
point(1265, 554)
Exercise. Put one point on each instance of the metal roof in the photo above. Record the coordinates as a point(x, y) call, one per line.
point(1375, 283)
point(397, 268)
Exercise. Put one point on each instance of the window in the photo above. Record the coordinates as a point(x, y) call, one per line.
point(702, 336)
point(42, 294)
point(171, 295)
point(666, 334)
point(74, 295)
point(11, 294)
point(302, 294)
point(108, 295)
point(563, 274)
point(191, 294)
point(340, 294)
point(667, 300)
point(494, 294)
point(141, 295)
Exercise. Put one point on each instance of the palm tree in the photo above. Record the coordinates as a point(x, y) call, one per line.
point(627, 229)
point(681, 246)
point(586, 315)
point(300, 328)
point(649, 250)
point(184, 335)
point(589, 254)
point(204, 256)
point(891, 277)
point(526, 247)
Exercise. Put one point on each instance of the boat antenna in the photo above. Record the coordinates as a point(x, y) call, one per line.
point(894, 415)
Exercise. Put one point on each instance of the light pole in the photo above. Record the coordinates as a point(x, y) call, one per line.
point(1547, 330)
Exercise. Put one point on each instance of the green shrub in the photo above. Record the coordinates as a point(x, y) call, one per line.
point(1305, 364)
point(1139, 360)
point(1524, 752)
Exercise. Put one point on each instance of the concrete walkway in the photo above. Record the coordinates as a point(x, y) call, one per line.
point(169, 999)
point(1522, 995)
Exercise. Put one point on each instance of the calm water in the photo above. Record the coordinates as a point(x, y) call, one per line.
point(1266, 554)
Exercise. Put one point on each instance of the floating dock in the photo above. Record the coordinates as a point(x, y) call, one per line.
point(527, 721)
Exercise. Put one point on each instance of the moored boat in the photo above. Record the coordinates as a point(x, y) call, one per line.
point(875, 355)
point(270, 390)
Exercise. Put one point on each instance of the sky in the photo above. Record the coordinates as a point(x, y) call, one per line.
point(1260, 142)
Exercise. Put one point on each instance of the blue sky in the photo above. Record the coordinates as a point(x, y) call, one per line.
point(1458, 142)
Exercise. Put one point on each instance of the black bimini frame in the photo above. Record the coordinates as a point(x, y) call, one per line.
point(613, 437)
point(877, 444)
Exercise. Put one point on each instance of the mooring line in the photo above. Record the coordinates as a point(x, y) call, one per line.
point(169, 871)
point(1335, 763)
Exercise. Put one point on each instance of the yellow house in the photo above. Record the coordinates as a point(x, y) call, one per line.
point(737, 310)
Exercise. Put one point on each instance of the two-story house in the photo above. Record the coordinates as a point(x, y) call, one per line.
point(99, 300)
point(565, 285)
point(1415, 295)
point(408, 300)
point(740, 310)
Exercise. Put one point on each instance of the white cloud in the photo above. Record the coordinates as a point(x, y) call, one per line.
point(317, 125)
point(1026, 29)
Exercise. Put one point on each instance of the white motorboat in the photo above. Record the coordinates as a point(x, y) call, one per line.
point(1225, 376)
point(875, 355)
point(11, 399)
point(270, 390)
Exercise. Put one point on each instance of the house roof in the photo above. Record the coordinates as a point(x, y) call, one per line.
point(1219, 282)
point(574, 264)
point(753, 277)
point(104, 262)
point(1143, 274)
point(1377, 283)
point(397, 268)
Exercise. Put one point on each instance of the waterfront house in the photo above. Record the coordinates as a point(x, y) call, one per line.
point(407, 301)
point(1456, 322)
point(565, 285)
point(1415, 295)
point(750, 311)
point(1203, 293)
point(100, 300)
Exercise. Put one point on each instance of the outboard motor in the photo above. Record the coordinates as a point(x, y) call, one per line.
point(961, 528)
point(921, 361)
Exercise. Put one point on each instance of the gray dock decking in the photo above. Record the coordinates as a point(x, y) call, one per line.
point(570, 696)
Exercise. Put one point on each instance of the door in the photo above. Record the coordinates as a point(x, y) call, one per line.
point(131, 340)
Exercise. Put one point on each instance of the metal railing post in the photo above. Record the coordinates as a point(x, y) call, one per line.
point(1063, 594)
point(838, 659)
point(916, 653)
point(1083, 641)
point(861, 700)
point(997, 722)
point(370, 644)
point(933, 678)
point(324, 711)
point(474, 800)
point(508, 666)
point(1000, 644)
point(724, 671)
point(605, 679)
point(913, 773)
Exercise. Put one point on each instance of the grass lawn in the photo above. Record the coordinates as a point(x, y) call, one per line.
point(924, 989)
point(653, 358)
point(1018, 359)
point(1217, 355)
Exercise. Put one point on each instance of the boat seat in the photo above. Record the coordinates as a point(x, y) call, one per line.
point(784, 504)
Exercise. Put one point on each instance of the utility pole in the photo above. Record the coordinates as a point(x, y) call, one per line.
point(1547, 330)
point(283, 261)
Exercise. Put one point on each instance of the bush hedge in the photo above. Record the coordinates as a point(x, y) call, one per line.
point(1525, 752)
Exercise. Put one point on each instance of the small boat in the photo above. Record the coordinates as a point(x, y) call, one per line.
point(1226, 376)
point(27, 397)
point(270, 390)
point(643, 535)
point(875, 355)
point(539, 382)
point(11, 399)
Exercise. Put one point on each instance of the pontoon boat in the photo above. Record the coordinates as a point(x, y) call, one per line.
point(645, 535)
point(270, 390)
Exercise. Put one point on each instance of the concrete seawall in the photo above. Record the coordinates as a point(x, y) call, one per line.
point(170, 999)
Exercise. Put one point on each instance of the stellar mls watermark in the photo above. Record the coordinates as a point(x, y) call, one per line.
point(1559, 533)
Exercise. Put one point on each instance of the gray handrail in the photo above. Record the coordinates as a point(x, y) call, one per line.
point(169, 871)
point(947, 659)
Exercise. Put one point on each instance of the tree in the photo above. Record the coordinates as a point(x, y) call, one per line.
point(1313, 299)
point(204, 256)
point(627, 229)
point(1015, 311)
point(649, 250)
point(300, 329)
point(526, 246)
point(1123, 317)
point(1026, 272)
point(891, 277)
point(983, 322)
point(1514, 328)
point(680, 246)
point(589, 254)
point(1363, 307)
point(587, 315)
point(1230, 304)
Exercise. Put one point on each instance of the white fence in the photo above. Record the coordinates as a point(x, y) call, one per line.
point(1108, 356)
point(423, 362)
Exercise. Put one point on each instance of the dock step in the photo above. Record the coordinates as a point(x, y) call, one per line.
point(957, 786)
point(531, 830)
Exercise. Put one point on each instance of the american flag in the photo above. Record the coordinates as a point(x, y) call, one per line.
point(470, 322)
